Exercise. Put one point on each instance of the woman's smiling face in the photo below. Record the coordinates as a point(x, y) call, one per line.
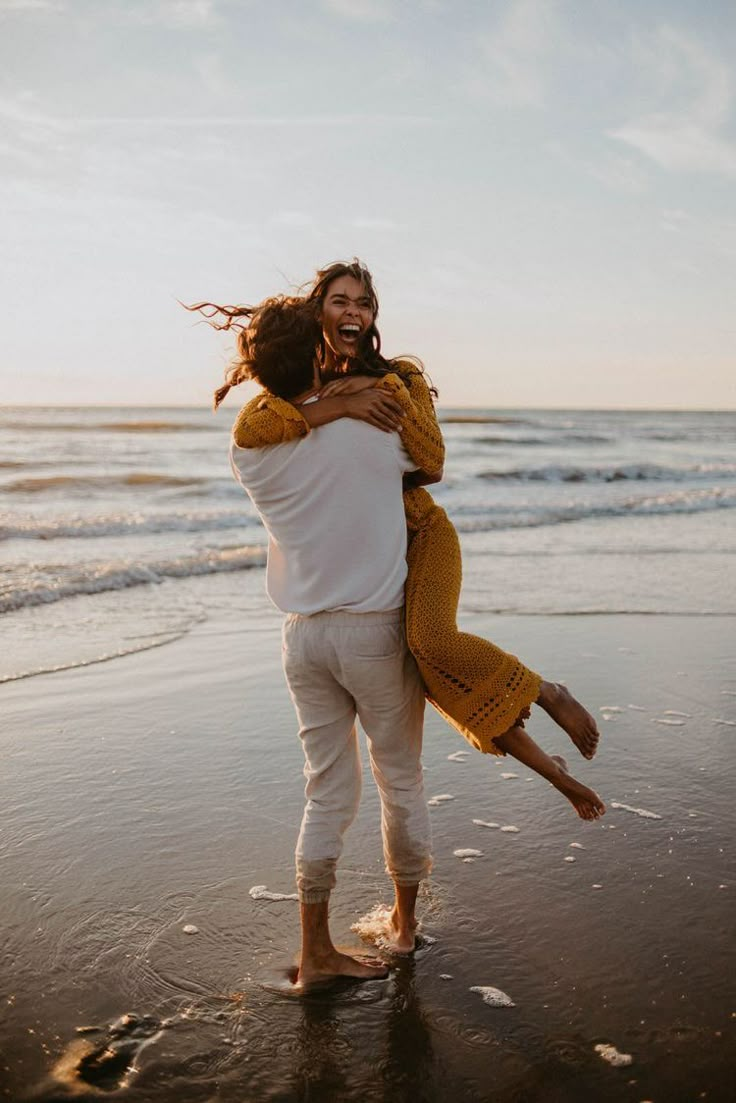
point(347, 315)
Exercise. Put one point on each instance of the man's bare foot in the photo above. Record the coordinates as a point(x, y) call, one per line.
point(559, 703)
point(401, 936)
point(334, 964)
point(585, 801)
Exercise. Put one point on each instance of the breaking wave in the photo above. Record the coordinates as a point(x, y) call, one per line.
point(122, 524)
point(676, 502)
point(638, 472)
point(101, 577)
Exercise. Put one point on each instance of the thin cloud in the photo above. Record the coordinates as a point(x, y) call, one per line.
point(686, 138)
point(362, 11)
point(11, 7)
point(513, 51)
point(171, 13)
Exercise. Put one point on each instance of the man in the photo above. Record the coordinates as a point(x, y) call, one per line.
point(331, 502)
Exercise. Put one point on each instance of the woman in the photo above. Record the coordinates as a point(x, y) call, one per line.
point(324, 345)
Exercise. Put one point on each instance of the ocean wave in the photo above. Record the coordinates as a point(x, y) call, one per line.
point(549, 442)
point(52, 426)
point(480, 419)
point(103, 577)
point(107, 483)
point(125, 524)
point(106, 657)
point(676, 502)
point(610, 473)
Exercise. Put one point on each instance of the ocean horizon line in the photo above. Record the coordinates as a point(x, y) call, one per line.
point(441, 408)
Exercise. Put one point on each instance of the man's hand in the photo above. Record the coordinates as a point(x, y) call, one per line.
point(376, 407)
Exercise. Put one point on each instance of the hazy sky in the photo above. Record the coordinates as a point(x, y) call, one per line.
point(544, 190)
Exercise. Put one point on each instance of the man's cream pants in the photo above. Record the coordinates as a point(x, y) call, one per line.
point(340, 666)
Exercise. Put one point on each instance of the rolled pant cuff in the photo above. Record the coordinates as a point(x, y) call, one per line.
point(412, 878)
point(313, 896)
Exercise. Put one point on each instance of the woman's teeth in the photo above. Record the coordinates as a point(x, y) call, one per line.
point(349, 332)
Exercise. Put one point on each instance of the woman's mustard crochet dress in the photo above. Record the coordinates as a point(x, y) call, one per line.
point(476, 686)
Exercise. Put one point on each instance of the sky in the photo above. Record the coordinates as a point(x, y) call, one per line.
point(544, 190)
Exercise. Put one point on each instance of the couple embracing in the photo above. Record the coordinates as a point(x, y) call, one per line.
point(334, 453)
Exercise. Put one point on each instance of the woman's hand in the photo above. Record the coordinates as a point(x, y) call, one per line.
point(354, 384)
point(376, 407)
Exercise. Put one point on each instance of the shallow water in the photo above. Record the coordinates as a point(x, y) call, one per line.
point(152, 793)
point(110, 518)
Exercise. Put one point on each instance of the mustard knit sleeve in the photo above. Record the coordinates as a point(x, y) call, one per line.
point(267, 420)
point(420, 431)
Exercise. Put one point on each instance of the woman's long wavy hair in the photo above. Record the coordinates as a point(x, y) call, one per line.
point(278, 340)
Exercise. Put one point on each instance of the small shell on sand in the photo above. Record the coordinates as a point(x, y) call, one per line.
point(643, 812)
point(189, 928)
point(671, 723)
point(260, 892)
point(494, 997)
point(510, 829)
point(484, 823)
point(611, 1054)
point(468, 852)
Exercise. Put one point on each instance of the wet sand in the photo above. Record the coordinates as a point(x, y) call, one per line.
point(148, 795)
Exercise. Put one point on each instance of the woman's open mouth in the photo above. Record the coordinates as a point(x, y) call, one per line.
point(349, 333)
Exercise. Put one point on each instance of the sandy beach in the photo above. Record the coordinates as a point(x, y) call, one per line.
point(151, 794)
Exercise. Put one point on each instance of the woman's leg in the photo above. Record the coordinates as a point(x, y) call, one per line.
point(520, 745)
point(479, 688)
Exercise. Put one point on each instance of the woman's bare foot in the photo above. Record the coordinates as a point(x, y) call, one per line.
point(585, 801)
point(400, 937)
point(559, 703)
point(334, 964)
